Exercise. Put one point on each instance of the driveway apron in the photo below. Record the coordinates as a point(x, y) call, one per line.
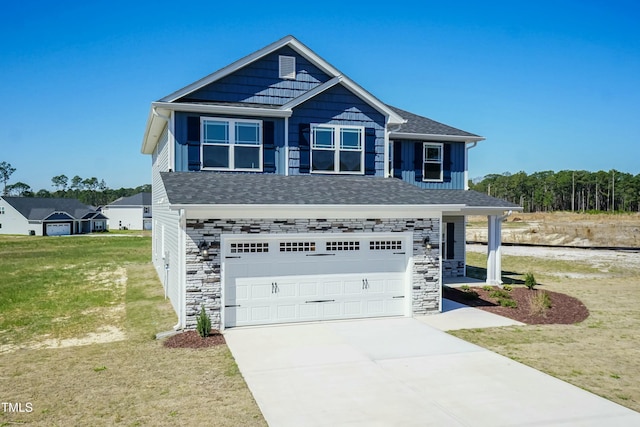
point(402, 372)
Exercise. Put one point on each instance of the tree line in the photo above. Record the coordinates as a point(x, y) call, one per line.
point(566, 190)
point(90, 191)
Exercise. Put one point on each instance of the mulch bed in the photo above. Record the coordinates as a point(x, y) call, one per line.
point(191, 339)
point(564, 308)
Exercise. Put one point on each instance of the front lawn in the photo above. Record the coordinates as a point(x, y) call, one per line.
point(77, 320)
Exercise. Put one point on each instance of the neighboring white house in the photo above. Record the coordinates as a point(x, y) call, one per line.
point(41, 216)
point(129, 213)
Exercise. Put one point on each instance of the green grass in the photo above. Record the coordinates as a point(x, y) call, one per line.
point(85, 283)
point(62, 286)
point(598, 354)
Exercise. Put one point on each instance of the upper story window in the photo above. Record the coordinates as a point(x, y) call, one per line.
point(337, 149)
point(231, 144)
point(432, 161)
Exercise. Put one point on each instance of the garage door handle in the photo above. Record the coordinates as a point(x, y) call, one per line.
point(227, 257)
point(399, 253)
point(399, 296)
point(321, 254)
point(236, 305)
point(321, 300)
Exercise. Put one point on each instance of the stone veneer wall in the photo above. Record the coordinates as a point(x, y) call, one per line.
point(203, 277)
point(453, 268)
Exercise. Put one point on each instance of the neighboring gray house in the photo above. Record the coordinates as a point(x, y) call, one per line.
point(48, 217)
point(285, 192)
point(129, 213)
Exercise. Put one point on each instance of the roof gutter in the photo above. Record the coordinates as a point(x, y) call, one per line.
point(293, 211)
point(436, 137)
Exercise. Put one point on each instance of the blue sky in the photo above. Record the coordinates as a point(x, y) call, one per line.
point(551, 84)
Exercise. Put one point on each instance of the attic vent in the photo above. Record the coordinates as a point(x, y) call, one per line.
point(287, 67)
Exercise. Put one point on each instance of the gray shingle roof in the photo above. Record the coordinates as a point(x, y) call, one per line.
point(224, 188)
point(39, 208)
point(423, 125)
point(140, 199)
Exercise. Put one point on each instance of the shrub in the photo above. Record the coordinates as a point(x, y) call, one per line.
point(204, 323)
point(530, 281)
point(465, 287)
point(503, 298)
point(539, 303)
point(507, 288)
point(487, 288)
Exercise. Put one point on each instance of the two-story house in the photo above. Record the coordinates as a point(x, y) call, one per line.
point(284, 192)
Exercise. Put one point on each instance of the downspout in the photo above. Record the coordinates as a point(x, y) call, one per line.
point(387, 170)
point(286, 146)
point(466, 162)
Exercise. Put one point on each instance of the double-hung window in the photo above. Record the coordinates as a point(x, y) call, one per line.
point(432, 161)
point(337, 149)
point(231, 144)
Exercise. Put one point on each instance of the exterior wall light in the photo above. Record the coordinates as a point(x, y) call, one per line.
point(203, 246)
point(427, 243)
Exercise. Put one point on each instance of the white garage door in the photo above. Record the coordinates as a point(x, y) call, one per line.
point(286, 278)
point(58, 229)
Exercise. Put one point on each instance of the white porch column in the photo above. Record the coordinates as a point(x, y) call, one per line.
point(494, 257)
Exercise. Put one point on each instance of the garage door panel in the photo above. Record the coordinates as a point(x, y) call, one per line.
point(315, 278)
point(286, 312)
point(332, 288)
point(308, 288)
point(353, 308)
point(353, 287)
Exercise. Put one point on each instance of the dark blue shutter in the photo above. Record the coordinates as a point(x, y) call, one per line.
point(304, 144)
point(446, 162)
point(268, 147)
point(193, 142)
point(369, 151)
point(418, 160)
point(397, 159)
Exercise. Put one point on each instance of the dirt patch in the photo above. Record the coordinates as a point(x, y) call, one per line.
point(191, 339)
point(564, 310)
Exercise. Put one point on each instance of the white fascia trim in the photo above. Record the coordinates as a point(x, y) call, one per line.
point(392, 117)
point(160, 112)
point(315, 211)
point(310, 94)
point(229, 69)
point(480, 210)
point(223, 109)
point(155, 123)
point(435, 137)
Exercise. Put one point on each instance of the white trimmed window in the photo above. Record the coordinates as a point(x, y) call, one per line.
point(1, 210)
point(337, 149)
point(432, 161)
point(231, 144)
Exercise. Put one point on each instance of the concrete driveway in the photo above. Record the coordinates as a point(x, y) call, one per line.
point(402, 372)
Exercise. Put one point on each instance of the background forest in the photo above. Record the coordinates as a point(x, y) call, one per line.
point(565, 190)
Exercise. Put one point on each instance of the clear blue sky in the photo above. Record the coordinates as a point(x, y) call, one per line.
point(551, 84)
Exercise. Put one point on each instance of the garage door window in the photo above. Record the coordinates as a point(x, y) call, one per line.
point(252, 247)
point(385, 245)
point(343, 246)
point(297, 246)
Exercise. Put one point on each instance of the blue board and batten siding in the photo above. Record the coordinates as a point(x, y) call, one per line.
point(408, 166)
point(337, 106)
point(187, 145)
point(259, 82)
